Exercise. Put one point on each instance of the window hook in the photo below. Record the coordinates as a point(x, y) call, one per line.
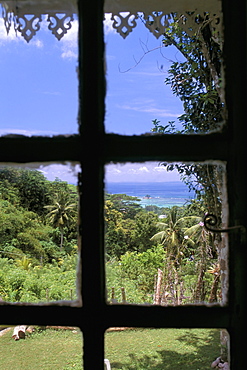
point(211, 223)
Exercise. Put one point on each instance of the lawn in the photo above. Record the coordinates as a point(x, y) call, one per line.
point(135, 349)
point(161, 349)
point(44, 349)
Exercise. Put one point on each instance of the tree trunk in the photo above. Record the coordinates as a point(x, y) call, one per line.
point(214, 289)
point(157, 297)
point(199, 295)
point(61, 240)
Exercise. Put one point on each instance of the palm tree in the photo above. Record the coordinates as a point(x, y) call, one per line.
point(173, 238)
point(61, 213)
point(172, 234)
point(203, 240)
point(200, 235)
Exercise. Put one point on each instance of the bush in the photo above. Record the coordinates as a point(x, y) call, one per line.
point(142, 267)
point(116, 280)
point(136, 273)
point(38, 283)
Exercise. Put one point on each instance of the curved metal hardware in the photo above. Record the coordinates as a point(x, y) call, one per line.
point(211, 222)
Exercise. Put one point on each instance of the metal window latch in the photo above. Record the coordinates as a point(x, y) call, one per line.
point(211, 223)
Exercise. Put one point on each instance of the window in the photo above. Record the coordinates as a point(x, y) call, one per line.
point(164, 66)
point(93, 148)
point(151, 214)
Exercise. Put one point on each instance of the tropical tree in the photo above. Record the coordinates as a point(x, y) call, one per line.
point(172, 235)
point(145, 227)
point(24, 187)
point(197, 80)
point(197, 77)
point(173, 238)
point(203, 242)
point(61, 213)
point(126, 204)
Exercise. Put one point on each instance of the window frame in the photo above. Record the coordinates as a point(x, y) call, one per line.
point(93, 148)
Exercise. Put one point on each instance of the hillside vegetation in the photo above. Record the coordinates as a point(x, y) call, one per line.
point(38, 245)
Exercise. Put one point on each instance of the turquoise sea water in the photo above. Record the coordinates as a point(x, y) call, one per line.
point(161, 194)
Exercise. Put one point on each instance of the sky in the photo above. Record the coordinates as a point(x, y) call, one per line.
point(136, 93)
point(40, 94)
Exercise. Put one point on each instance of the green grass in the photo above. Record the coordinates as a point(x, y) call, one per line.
point(47, 349)
point(138, 349)
point(161, 349)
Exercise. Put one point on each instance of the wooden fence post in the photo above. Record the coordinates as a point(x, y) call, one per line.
point(157, 297)
point(123, 295)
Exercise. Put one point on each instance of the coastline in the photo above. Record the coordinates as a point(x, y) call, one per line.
point(160, 194)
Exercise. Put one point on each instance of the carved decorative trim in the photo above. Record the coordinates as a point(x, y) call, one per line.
point(157, 13)
point(26, 15)
point(28, 26)
point(59, 26)
point(124, 24)
point(157, 23)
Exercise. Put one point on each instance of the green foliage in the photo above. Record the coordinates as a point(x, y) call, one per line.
point(34, 268)
point(24, 262)
point(124, 234)
point(173, 236)
point(145, 227)
point(30, 187)
point(25, 196)
point(23, 282)
point(61, 212)
point(126, 204)
point(116, 280)
point(184, 257)
point(197, 79)
point(21, 231)
point(142, 268)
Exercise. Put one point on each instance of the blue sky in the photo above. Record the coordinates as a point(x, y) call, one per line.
point(136, 93)
point(40, 94)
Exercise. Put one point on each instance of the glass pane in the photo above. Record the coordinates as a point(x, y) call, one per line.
point(39, 94)
point(139, 348)
point(164, 70)
point(38, 248)
point(160, 247)
point(46, 347)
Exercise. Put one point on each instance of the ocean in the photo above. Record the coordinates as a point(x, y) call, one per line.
point(161, 194)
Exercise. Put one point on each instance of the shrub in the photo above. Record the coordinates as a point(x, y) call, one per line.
point(142, 267)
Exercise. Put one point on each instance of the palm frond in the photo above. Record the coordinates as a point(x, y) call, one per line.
point(160, 236)
point(192, 230)
point(162, 225)
point(182, 220)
